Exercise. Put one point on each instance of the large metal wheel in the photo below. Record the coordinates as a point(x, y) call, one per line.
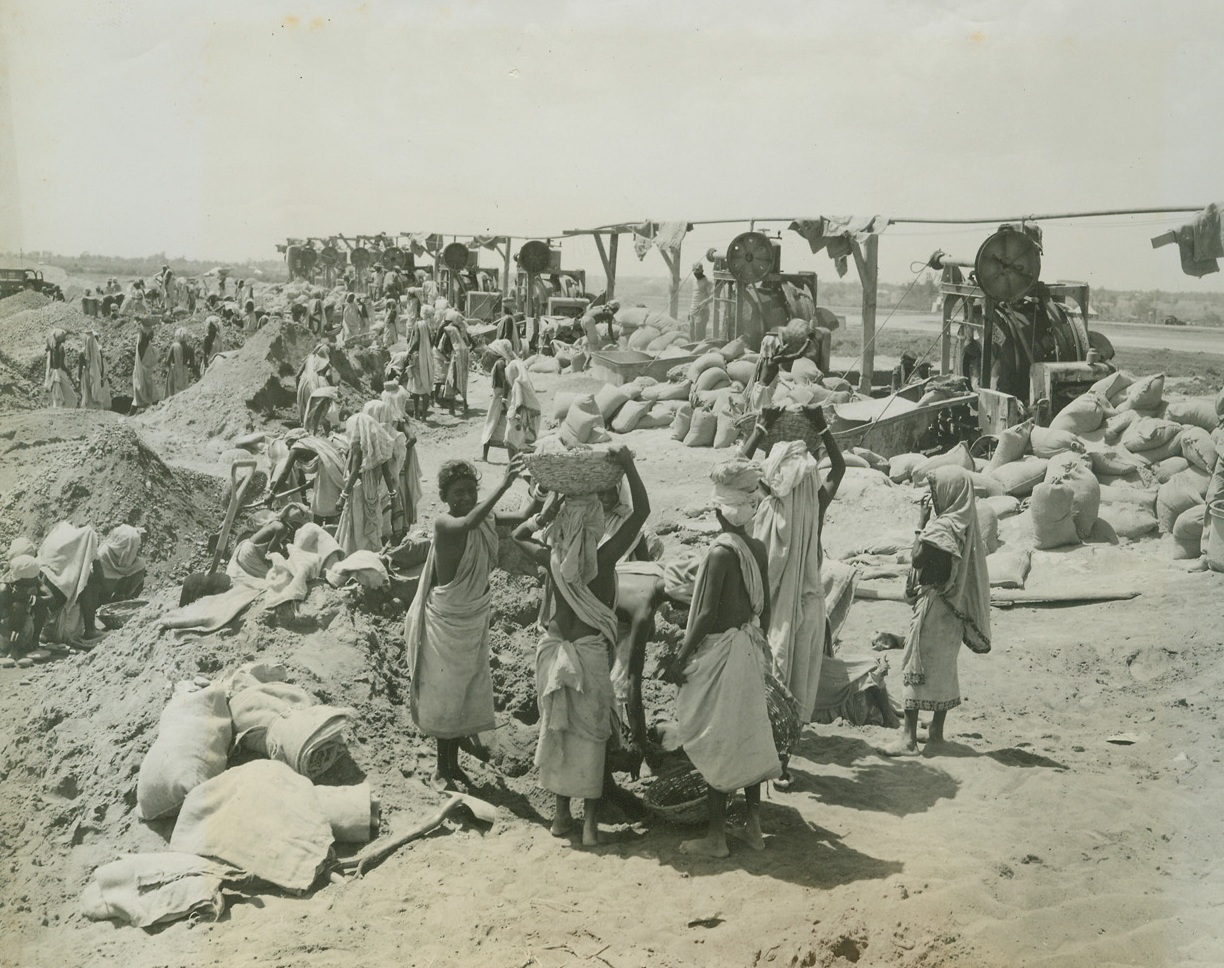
point(750, 258)
point(534, 257)
point(1007, 265)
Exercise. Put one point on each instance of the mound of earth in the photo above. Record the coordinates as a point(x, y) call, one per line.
point(20, 302)
point(240, 389)
point(92, 467)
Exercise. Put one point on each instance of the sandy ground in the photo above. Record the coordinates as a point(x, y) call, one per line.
point(1042, 836)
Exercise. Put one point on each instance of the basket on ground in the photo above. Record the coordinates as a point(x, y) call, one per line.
point(783, 715)
point(679, 796)
point(574, 472)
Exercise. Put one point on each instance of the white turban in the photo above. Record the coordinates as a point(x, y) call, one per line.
point(736, 494)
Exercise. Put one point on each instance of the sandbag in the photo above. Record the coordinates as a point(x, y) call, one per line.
point(1162, 452)
point(1117, 425)
point(1013, 443)
point(581, 421)
point(1112, 389)
point(1114, 461)
point(984, 485)
point(668, 391)
point(1195, 412)
point(682, 422)
point(1148, 433)
point(664, 341)
point(1178, 494)
point(1048, 442)
point(853, 460)
point(874, 460)
point(192, 746)
point(1009, 568)
point(702, 429)
point(726, 433)
point(1053, 511)
point(1020, 477)
point(609, 399)
point(629, 417)
point(713, 399)
point(1184, 550)
point(1003, 505)
point(704, 362)
point(656, 418)
point(1189, 524)
point(1144, 394)
point(544, 364)
point(902, 466)
point(1082, 415)
point(642, 337)
point(712, 379)
point(261, 817)
point(805, 370)
point(1165, 469)
point(561, 404)
point(1197, 447)
point(1136, 496)
point(988, 526)
point(958, 456)
point(1128, 520)
point(147, 889)
point(1075, 470)
point(733, 350)
point(741, 371)
point(836, 384)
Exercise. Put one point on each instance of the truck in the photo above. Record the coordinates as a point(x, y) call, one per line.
point(13, 281)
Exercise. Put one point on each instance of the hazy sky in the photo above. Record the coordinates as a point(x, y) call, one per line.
point(216, 128)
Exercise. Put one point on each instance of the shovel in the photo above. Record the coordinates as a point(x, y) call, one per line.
point(375, 853)
point(197, 585)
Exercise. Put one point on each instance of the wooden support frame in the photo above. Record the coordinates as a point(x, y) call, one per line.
point(607, 255)
point(867, 261)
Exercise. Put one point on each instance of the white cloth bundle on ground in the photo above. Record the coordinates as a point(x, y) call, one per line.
point(363, 567)
point(147, 889)
point(309, 739)
point(192, 746)
point(261, 817)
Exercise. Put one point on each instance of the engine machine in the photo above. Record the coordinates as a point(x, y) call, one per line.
point(474, 290)
point(543, 287)
point(1029, 338)
point(752, 294)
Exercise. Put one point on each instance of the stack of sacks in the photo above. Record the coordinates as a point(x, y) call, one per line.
point(1075, 471)
point(583, 423)
point(1181, 509)
point(1129, 511)
point(283, 722)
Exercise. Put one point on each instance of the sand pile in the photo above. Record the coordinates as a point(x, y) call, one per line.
point(27, 299)
point(95, 469)
point(70, 766)
point(239, 391)
point(23, 334)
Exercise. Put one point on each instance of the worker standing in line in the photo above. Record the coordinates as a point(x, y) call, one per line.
point(699, 309)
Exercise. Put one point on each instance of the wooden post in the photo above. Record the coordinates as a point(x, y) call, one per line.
point(613, 247)
point(505, 286)
point(945, 337)
point(867, 260)
point(673, 264)
point(988, 311)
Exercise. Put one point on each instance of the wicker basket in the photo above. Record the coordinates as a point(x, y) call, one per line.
point(679, 796)
point(575, 472)
point(114, 615)
point(783, 715)
point(795, 425)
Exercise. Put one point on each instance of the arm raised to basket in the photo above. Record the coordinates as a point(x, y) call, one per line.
point(627, 534)
point(837, 463)
point(455, 524)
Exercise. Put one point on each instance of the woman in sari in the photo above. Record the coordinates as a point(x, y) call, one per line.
point(950, 590)
point(180, 361)
point(314, 373)
point(454, 344)
point(494, 433)
point(522, 408)
point(145, 391)
point(91, 372)
point(371, 467)
point(57, 382)
point(436, 323)
point(213, 343)
point(419, 374)
point(406, 468)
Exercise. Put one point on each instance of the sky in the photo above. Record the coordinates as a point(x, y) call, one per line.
point(214, 129)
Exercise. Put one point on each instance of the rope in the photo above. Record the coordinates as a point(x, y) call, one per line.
point(880, 328)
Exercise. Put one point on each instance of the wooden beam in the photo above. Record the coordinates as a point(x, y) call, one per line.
point(867, 260)
point(505, 288)
point(673, 265)
point(613, 248)
point(945, 337)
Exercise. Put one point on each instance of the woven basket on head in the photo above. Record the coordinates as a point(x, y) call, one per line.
point(783, 715)
point(795, 425)
point(575, 472)
point(679, 796)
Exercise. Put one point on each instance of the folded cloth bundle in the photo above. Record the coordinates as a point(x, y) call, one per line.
point(147, 889)
point(310, 739)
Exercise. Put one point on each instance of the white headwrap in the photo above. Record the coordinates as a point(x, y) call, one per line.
point(736, 495)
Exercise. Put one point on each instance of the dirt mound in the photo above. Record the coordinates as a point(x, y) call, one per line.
point(239, 391)
point(23, 335)
point(91, 467)
point(22, 301)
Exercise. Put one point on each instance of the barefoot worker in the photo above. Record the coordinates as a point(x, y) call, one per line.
point(789, 523)
point(447, 628)
point(496, 421)
point(574, 658)
point(721, 708)
point(145, 391)
point(57, 383)
point(950, 588)
point(371, 461)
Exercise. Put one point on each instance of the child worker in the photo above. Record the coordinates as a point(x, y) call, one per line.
point(721, 709)
point(447, 626)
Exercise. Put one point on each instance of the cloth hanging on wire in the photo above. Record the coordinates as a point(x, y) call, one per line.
point(486, 241)
point(837, 233)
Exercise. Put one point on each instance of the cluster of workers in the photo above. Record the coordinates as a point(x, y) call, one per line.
point(756, 603)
